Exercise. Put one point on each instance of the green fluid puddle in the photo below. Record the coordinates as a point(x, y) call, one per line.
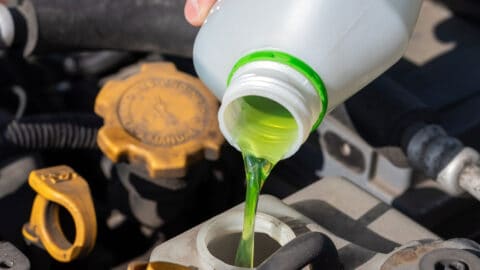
point(265, 131)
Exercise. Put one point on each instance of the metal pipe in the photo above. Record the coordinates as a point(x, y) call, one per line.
point(470, 180)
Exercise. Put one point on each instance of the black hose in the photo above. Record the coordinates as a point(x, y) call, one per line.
point(431, 149)
point(312, 247)
point(134, 25)
point(52, 132)
point(384, 110)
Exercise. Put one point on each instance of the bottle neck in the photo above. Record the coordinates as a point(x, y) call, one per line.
point(270, 81)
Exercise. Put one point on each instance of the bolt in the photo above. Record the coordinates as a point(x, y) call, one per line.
point(346, 150)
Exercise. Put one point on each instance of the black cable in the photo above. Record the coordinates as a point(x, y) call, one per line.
point(52, 132)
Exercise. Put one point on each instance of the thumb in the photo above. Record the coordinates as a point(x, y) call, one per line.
point(197, 10)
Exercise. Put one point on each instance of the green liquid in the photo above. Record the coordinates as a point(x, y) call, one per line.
point(265, 132)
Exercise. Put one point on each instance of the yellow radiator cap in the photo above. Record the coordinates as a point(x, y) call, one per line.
point(158, 120)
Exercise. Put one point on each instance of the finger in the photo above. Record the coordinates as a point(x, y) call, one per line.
point(197, 10)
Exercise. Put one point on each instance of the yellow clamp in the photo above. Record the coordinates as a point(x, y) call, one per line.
point(57, 187)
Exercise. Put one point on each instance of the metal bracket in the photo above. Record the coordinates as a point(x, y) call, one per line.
point(434, 254)
point(347, 155)
point(12, 258)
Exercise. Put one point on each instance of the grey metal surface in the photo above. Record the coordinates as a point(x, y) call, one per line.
point(455, 254)
point(449, 177)
point(470, 180)
point(12, 258)
point(14, 174)
point(347, 155)
point(360, 226)
point(448, 258)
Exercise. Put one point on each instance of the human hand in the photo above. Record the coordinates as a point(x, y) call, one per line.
point(197, 10)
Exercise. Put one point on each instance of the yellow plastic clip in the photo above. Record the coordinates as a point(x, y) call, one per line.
point(61, 187)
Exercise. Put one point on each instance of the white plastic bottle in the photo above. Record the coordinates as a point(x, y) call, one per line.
point(306, 55)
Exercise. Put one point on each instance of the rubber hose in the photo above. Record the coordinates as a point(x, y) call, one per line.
point(52, 132)
point(431, 149)
point(139, 25)
point(311, 247)
point(384, 110)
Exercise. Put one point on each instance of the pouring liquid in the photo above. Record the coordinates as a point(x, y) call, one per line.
point(265, 132)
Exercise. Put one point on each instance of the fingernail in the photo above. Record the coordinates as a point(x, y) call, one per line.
point(195, 6)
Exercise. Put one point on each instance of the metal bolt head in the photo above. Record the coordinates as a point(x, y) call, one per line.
point(346, 150)
point(450, 259)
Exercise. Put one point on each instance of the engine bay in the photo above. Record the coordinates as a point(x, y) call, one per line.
point(391, 179)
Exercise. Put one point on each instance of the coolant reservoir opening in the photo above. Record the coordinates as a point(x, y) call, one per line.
point(261, 127)
point(224, 247)
point(217, 240)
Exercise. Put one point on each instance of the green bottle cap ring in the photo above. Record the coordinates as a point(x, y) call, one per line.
point(293, 62)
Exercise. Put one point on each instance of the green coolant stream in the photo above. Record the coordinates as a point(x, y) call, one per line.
point(257, 170)
point(264, 131)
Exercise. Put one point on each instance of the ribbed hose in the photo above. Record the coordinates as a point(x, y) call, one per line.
point(52, 132)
